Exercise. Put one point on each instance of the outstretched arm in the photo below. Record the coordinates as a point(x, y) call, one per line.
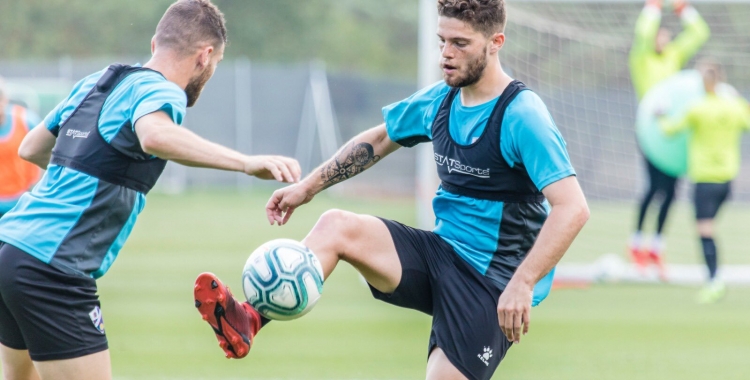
point(356, 156)
point(569, 213)
point(644, 40)
point(161, 137)
point(675, 125)
point(646, 27)
point(694, 34)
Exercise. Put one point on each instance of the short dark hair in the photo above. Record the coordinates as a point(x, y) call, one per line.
point(485, 16)
point(189, 23)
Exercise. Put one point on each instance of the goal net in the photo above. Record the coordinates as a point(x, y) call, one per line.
point(574, 54)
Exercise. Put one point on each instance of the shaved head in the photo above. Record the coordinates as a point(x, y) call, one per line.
point(191, 24)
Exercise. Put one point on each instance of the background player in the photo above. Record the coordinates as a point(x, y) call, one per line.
point(104, 148)
point(499, 155)
point(16, 175)
point(717, 123)
point(653, 58)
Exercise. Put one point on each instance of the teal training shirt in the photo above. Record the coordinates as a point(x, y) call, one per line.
point(51, 221)
point(529, 137)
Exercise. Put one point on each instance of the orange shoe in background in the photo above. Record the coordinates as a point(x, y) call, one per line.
point(639, 258)
point(656, 258)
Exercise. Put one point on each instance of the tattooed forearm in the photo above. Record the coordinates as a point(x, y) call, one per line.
point(351, 160)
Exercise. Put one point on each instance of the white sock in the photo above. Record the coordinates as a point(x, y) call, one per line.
point(636, 240)
point(657, 244)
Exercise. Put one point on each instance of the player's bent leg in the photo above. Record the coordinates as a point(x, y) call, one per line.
point(235, 323)
point(17, 364)
point(440, 368)
point(362, 241)
point(90, 367)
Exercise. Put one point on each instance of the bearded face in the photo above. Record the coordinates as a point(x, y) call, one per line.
point(467, 74)
point(195, 86)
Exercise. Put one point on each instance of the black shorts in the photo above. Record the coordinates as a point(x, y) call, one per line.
point(709, 197)
point(54, 315)
point(462, 302)
point(659, 180)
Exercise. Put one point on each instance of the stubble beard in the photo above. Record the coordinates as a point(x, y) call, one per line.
point(474, 72)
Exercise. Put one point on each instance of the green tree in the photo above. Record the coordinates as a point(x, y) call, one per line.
point(359, 35)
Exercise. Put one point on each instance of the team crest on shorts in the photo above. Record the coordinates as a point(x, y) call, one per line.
point(97, 319)
point(485, 356)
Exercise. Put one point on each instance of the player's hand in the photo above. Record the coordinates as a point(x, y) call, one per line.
point(654, 3)
point(284, 201)
point(280, 168)
point(678, 6)
point(514, 310)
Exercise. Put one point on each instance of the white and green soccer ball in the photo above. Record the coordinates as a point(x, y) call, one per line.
point(282, 279)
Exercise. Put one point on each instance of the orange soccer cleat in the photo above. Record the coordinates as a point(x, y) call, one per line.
point(639, 257)
point(234, 323)
point(656, 258)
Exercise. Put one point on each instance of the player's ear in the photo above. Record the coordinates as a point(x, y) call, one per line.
point(153, 44)
point(496, 42)
point(204, 56)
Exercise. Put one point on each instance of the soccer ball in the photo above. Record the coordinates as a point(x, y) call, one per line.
point(282, 279)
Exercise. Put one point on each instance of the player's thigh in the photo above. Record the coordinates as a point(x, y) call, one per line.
point(708, 199)
point(90, 367)
point(17, 364)
point(440, 368)
point(361, 240)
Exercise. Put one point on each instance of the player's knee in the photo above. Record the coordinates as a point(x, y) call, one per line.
point(337, 226)
point(705, 228)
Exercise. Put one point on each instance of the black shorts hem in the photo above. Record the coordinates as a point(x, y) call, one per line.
point(413, 290)
point(13, 346)
point(77, 353)
point(377, 294)
point(450, 356)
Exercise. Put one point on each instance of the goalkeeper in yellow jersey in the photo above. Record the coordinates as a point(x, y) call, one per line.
point(717, 123)
point(654, 57)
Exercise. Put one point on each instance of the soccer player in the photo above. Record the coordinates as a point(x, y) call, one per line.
point(16, 175)
point(717, 123)
point(653, 58)
point(499, 156)
point(104, 147)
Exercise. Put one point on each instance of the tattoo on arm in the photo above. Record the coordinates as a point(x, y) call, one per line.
point(348, 163)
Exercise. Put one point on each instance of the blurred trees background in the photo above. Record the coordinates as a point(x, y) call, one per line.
point(377, 37)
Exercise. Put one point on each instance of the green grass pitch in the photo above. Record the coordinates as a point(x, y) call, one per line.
point(603, 332)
